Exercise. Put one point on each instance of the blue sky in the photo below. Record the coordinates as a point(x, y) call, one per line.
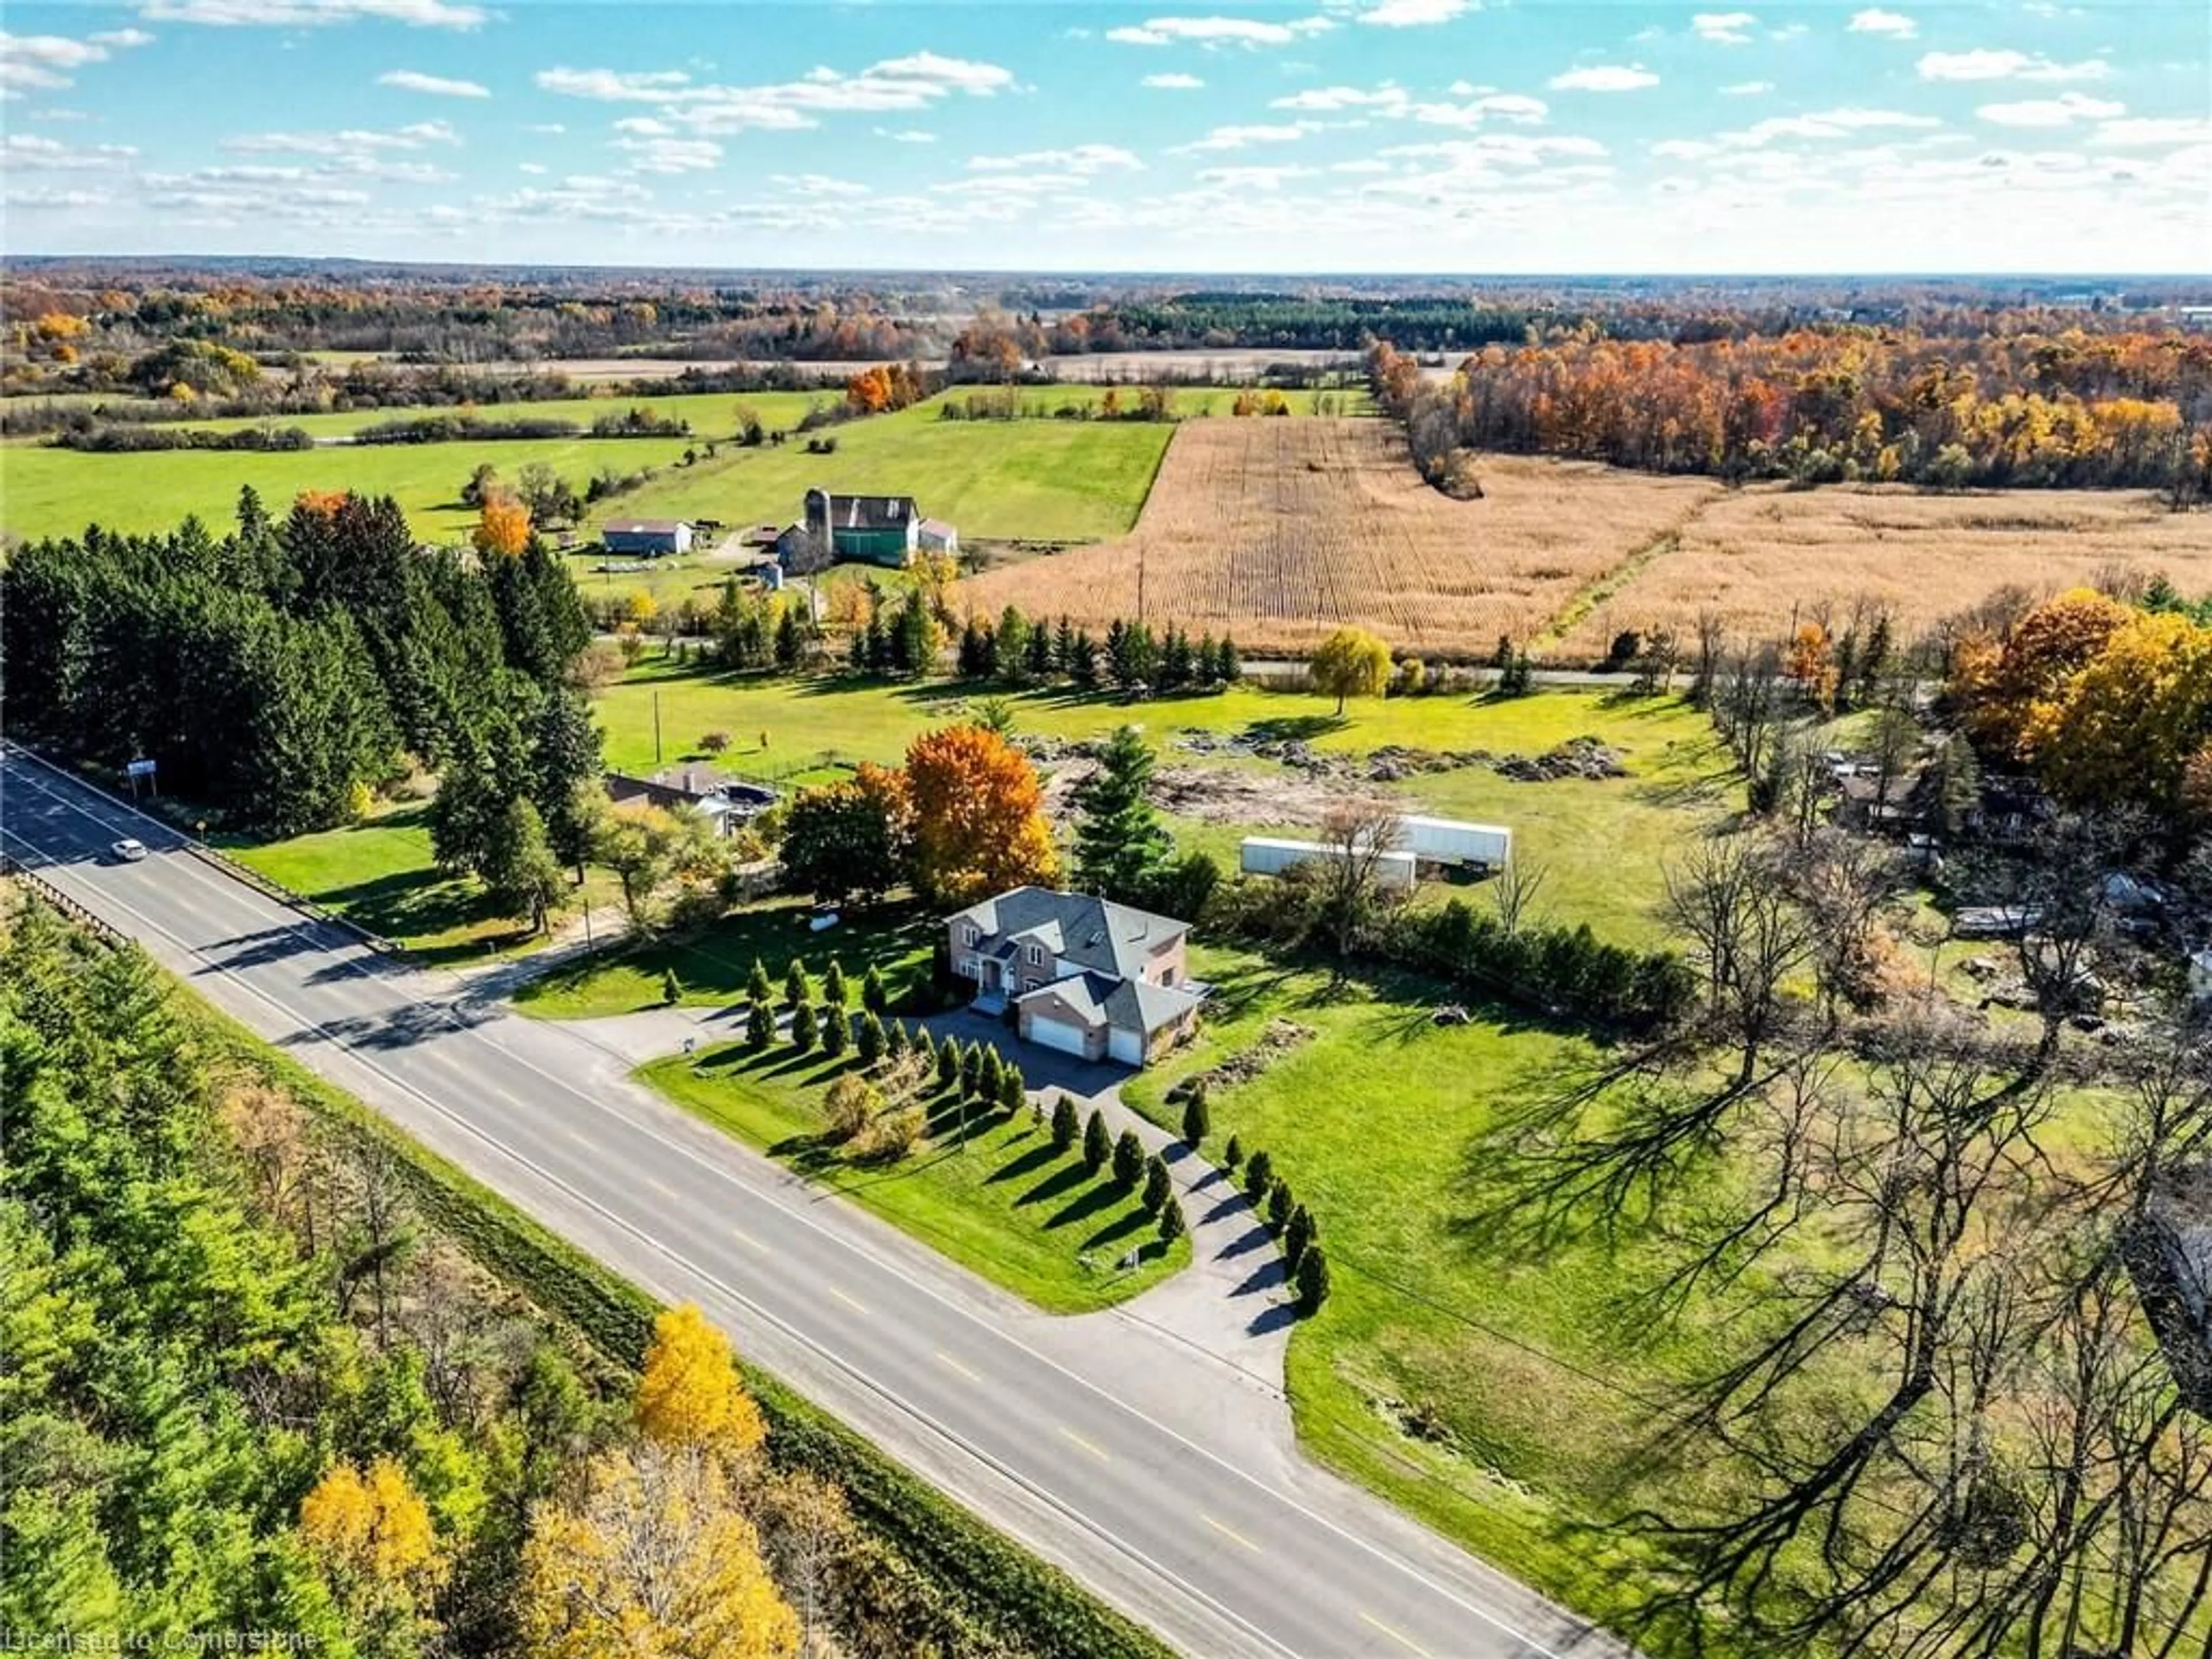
point(1443, 136)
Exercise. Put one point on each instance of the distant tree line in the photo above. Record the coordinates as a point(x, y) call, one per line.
point(279, 674)
point(131, 440)
point(1826, 406)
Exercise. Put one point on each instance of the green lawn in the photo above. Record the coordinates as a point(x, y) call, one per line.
point(712, 966)
point(57, 492)
point(380, 874)
point(1494, 1398)
point(1044, 480)
point(1602, 842)
point(1004, 1205)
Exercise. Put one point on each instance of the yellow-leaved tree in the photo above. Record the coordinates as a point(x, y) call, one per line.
point(690, 1393)
point(375, 1533)
point(503, 526)
point(2131, 719)
point(1350, 663)
point(2013, 694)
point(654, 1561)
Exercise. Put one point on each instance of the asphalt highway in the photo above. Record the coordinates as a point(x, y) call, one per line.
point(1221, 1551)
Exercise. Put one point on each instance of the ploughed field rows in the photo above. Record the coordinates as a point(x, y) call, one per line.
point(1758, 555)
point(1280, 531)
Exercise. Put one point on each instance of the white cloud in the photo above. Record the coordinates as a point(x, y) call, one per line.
point(1747, 90)
point(1826, 125)
point(819, 184)
point(25, 152)
point(1414, 14)
point(41, 198)
point(1081, 159)
point(1875, 21)
point(43, 63)
point(1985, 64)
point(1385, 97)
point(1604, 77)
point(353, 142)
point(917, 82)
point(2146, 131)
point(437, 85)
point(530, 167)
point(1724, 29)
point(2063, 111)
point(907, 136)
point(545, 126)
point(651, 155)
point(1219, 31)
point(1394, 103)
point(300, 14)
point(1238, 137)
point(1252, 178)
point(1175, 81)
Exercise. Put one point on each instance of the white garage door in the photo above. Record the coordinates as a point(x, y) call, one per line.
point(1125, 1045)
point(1056, 1034)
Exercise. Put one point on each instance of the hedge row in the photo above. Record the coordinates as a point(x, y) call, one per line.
point(131, 440)
point(1559, 971)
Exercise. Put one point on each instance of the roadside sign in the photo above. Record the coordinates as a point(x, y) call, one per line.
point(140, 769)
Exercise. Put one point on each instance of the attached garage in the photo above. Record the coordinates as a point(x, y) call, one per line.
point(1063, 1034)
point(1125, 1045)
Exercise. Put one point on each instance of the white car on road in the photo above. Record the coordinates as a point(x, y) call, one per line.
point(129, 850)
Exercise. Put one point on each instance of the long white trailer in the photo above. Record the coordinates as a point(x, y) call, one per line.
point(1451, 841)
point(1265, 856)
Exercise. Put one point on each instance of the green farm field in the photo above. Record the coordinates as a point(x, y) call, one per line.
point(712, 414)
point(1067, 481)
point(57, 492)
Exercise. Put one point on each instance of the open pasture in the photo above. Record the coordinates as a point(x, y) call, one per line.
point(1758, 557)
point(57, 492)
point(1279, 531)
point(1041, 480)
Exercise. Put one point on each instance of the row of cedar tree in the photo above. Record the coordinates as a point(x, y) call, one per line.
point(282, 671)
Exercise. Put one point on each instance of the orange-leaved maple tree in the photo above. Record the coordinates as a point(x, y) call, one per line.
point(979, 823)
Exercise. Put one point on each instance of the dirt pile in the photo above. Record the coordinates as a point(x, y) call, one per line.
point(1577, 757)
point(1280, 1037)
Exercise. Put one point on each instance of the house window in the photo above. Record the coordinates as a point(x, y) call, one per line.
point(969, 934)
point(1036, 954)
point(968, 968)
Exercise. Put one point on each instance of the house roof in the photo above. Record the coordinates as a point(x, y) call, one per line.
point(938, 528)
point(1103, 999)
point(644, 526)
point(1091, 933)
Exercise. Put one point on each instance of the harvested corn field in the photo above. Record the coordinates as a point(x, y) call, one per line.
point(1758, 555)
point(1279, 532)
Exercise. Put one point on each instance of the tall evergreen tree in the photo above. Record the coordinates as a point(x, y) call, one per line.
point(1120, 845)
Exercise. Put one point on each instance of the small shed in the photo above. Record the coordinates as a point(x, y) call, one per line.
point(649, 538)
point(935, 536)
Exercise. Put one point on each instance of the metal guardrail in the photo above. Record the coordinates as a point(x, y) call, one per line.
point(284, 896)
point(104, 932)
point(218, 860)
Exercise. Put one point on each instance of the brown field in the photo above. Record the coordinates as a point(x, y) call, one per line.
point(1754, 555)
point(1279, 532)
